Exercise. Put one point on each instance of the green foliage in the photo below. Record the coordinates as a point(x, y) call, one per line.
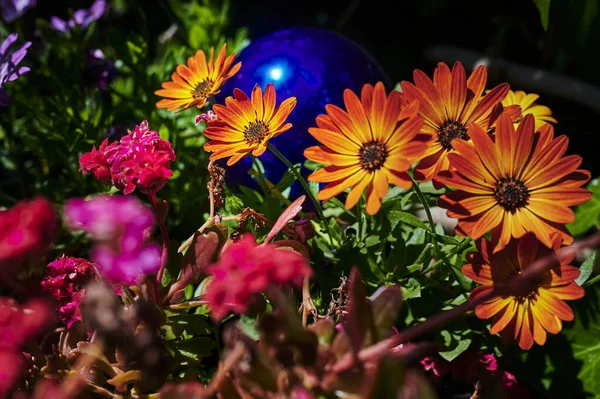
point(587, 215)
point(544, 9)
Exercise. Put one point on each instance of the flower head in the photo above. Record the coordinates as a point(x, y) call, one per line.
point(82, 18)
point(65, 280)
point(140, 159)
point(369, 146)
point(523, 317)
point(27, 231)
point(13, 9)
point(247, 124)
point(449, 104)
point(9, 62)
point(95, 162)
point(527, 104)
point(119, 226)
point(19, 323)
point(195, 83)
point(246, 269)
point(513, 183)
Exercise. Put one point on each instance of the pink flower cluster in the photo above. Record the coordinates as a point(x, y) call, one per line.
point(18, 324)
point(26, 232)
point(472, 366)
point(65, 280)
point(246, 269)
point(120, 227)
point(141, 159)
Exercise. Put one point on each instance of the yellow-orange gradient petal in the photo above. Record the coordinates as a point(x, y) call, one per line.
point(194, 83)
point(523, 315)
point(246, 124)
point(449, 104)
point(367, 146)
point(523, 172)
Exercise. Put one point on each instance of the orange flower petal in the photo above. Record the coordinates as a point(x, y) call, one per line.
point(334, 188)
point(336, 141)
point(358, 116)
point(326, 156)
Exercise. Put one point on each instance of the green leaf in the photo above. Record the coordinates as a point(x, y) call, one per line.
point(249, 326)
point(586, 269)
point(412, 289)
point(457, 343)
point(396, 217)
point(583, 336)
point(544, 9)
point(588, 213)
point(233, 204)
point(194, 349)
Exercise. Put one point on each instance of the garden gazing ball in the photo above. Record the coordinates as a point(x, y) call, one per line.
point(311, 64)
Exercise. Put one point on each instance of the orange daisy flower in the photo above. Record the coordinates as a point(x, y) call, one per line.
point(449, 104)
point(523, 316)
point(246, 124)
point(371, 145)
point(195, 83)
point(526, 102)
point(518, 183)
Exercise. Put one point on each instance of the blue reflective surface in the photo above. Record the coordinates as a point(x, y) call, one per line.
point(315, 66)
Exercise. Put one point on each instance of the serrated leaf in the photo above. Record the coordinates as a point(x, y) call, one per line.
point(586, 269)
point(396, 217)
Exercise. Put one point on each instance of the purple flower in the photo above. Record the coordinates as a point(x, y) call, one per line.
point(13, 9)
point(8, 65)
point(98, 72)
point(81, 18)
point(119, 226)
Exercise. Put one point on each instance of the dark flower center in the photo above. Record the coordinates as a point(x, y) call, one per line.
point(372, 155)
point(452, 130)
point(202, 89)
point(256, 132)
point(511, 194)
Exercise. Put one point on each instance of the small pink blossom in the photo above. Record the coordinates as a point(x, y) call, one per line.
point(27, 230)
point(140, 159)
point(207, 117)
point(95, 162)
point(65, 280)
point(19, 323)
point(246, 269)
point(119, 227)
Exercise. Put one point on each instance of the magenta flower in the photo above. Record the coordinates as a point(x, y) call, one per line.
point(141, 159)
point(246, 269)
point(13, 9)
point(119, 226)
point(81, 18)
point(18, 324)
point(65, 280)
point(9, 62)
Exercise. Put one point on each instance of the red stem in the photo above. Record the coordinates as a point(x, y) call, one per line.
point(165, 238)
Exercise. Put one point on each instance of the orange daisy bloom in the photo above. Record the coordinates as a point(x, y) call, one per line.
point(526, 102)
point(518, 183)
point(371, 145)
point(523, 316)
point(195, 83)
point(449, 104)
point(246, 124)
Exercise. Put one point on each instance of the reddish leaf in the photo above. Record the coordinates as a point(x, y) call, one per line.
point(360, 317)
point(203, 252)
point(287, 215)
point(386, 303)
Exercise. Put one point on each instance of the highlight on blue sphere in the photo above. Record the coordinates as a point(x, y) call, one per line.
point(315, 66)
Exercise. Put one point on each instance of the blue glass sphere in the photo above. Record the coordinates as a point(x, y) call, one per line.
point(311, 64)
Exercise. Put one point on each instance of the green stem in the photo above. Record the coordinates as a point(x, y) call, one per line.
point(423, 200)
point(591, 282)
point(456, 250)
point(305, 185)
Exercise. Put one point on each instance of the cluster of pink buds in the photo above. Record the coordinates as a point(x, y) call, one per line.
point(246, 269)
point(141, 159)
